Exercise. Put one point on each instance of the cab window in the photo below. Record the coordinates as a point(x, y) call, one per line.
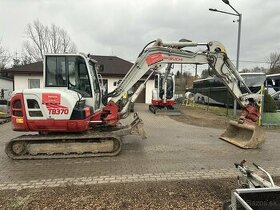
point(56, 72)
point(78, 77)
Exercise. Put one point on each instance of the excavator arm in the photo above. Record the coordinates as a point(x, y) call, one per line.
point(160, 54)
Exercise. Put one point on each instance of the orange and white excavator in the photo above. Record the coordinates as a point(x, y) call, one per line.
point(74, 119)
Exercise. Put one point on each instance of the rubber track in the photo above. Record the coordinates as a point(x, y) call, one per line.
point(116, 133)
point(27, 139)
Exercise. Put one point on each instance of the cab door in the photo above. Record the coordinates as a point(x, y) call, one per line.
point(95, 86)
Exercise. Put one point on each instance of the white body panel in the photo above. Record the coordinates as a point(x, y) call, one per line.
point(61, 111)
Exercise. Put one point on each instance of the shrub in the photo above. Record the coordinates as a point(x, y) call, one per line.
point(269, 103)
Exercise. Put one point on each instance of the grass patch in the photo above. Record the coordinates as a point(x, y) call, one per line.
point(217, 110)
point(271, 118)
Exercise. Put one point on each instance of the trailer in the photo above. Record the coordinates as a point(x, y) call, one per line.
point(256, 193)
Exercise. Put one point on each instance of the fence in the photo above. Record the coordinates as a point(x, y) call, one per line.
point(220, 96)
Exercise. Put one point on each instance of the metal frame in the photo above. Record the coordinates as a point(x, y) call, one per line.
point(235, 195)
point(252, 183)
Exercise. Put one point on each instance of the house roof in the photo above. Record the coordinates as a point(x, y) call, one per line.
point(113, 66)
point(35, 68)
point(6, 78)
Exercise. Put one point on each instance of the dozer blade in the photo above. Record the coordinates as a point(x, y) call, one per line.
point(164, 111)
point(244, 136)
point(169, 112)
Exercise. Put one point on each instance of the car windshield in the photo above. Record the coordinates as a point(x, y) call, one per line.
point(254, 80)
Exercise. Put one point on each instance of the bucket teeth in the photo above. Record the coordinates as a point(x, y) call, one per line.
point(243, 136)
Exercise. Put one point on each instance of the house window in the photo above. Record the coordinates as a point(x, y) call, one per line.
point(33, 83)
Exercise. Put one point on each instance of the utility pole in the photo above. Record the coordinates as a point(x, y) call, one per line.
point(238, 38)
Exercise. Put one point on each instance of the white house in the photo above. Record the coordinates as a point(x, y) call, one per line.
point(6, 87)
point(115, 68)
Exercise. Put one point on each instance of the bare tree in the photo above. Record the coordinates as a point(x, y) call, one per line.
point(4, 56)
point(42, 39)
point(20, 61)
point(274, 61)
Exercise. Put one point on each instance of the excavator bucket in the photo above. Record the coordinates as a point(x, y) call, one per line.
point(244, 136)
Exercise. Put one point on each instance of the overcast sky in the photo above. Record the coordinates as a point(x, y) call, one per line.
point(123, 27)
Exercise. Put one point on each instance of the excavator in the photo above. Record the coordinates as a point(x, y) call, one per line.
point(163, 95)
point(74, 119)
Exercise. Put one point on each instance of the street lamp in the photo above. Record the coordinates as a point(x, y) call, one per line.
point(238, 37)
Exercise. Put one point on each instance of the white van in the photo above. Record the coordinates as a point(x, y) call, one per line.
point(4, 106)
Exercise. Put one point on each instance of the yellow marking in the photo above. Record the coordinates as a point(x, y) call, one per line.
point(19, 120)
point(223, 49)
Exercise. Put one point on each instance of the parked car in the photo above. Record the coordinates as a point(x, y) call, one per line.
point(4, 106)
point(276, 97)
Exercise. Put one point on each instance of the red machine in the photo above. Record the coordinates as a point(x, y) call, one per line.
point(163, 100)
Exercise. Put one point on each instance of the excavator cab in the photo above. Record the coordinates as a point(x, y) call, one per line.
point(73, 72)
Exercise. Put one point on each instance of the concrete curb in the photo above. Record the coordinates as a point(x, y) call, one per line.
point(170, 176)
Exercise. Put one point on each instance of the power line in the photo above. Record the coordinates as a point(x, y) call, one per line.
point(248, 61)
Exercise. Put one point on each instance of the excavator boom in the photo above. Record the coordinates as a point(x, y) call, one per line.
point(243, 133)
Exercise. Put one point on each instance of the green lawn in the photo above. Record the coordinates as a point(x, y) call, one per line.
point(271, 118)
point(268, 118)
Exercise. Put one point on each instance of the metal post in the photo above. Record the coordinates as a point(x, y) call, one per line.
point(182, 82)
point(237, 58)
point(238, 39)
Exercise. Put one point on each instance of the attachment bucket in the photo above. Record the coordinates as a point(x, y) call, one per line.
point(244, 136)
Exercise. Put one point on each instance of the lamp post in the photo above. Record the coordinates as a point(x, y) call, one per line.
point(238, 36)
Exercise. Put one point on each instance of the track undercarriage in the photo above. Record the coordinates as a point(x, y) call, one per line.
point(93, 143)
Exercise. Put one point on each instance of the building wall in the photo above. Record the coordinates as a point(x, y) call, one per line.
point(111, 81)
point(149, 87)
point(21, 81)
point(7, 85)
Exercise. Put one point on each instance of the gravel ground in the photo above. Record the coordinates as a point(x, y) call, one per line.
point(198, 116)
point(183, 194)
point(191, 194)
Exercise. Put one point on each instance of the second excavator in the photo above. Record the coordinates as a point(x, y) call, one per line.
point(163, 94)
